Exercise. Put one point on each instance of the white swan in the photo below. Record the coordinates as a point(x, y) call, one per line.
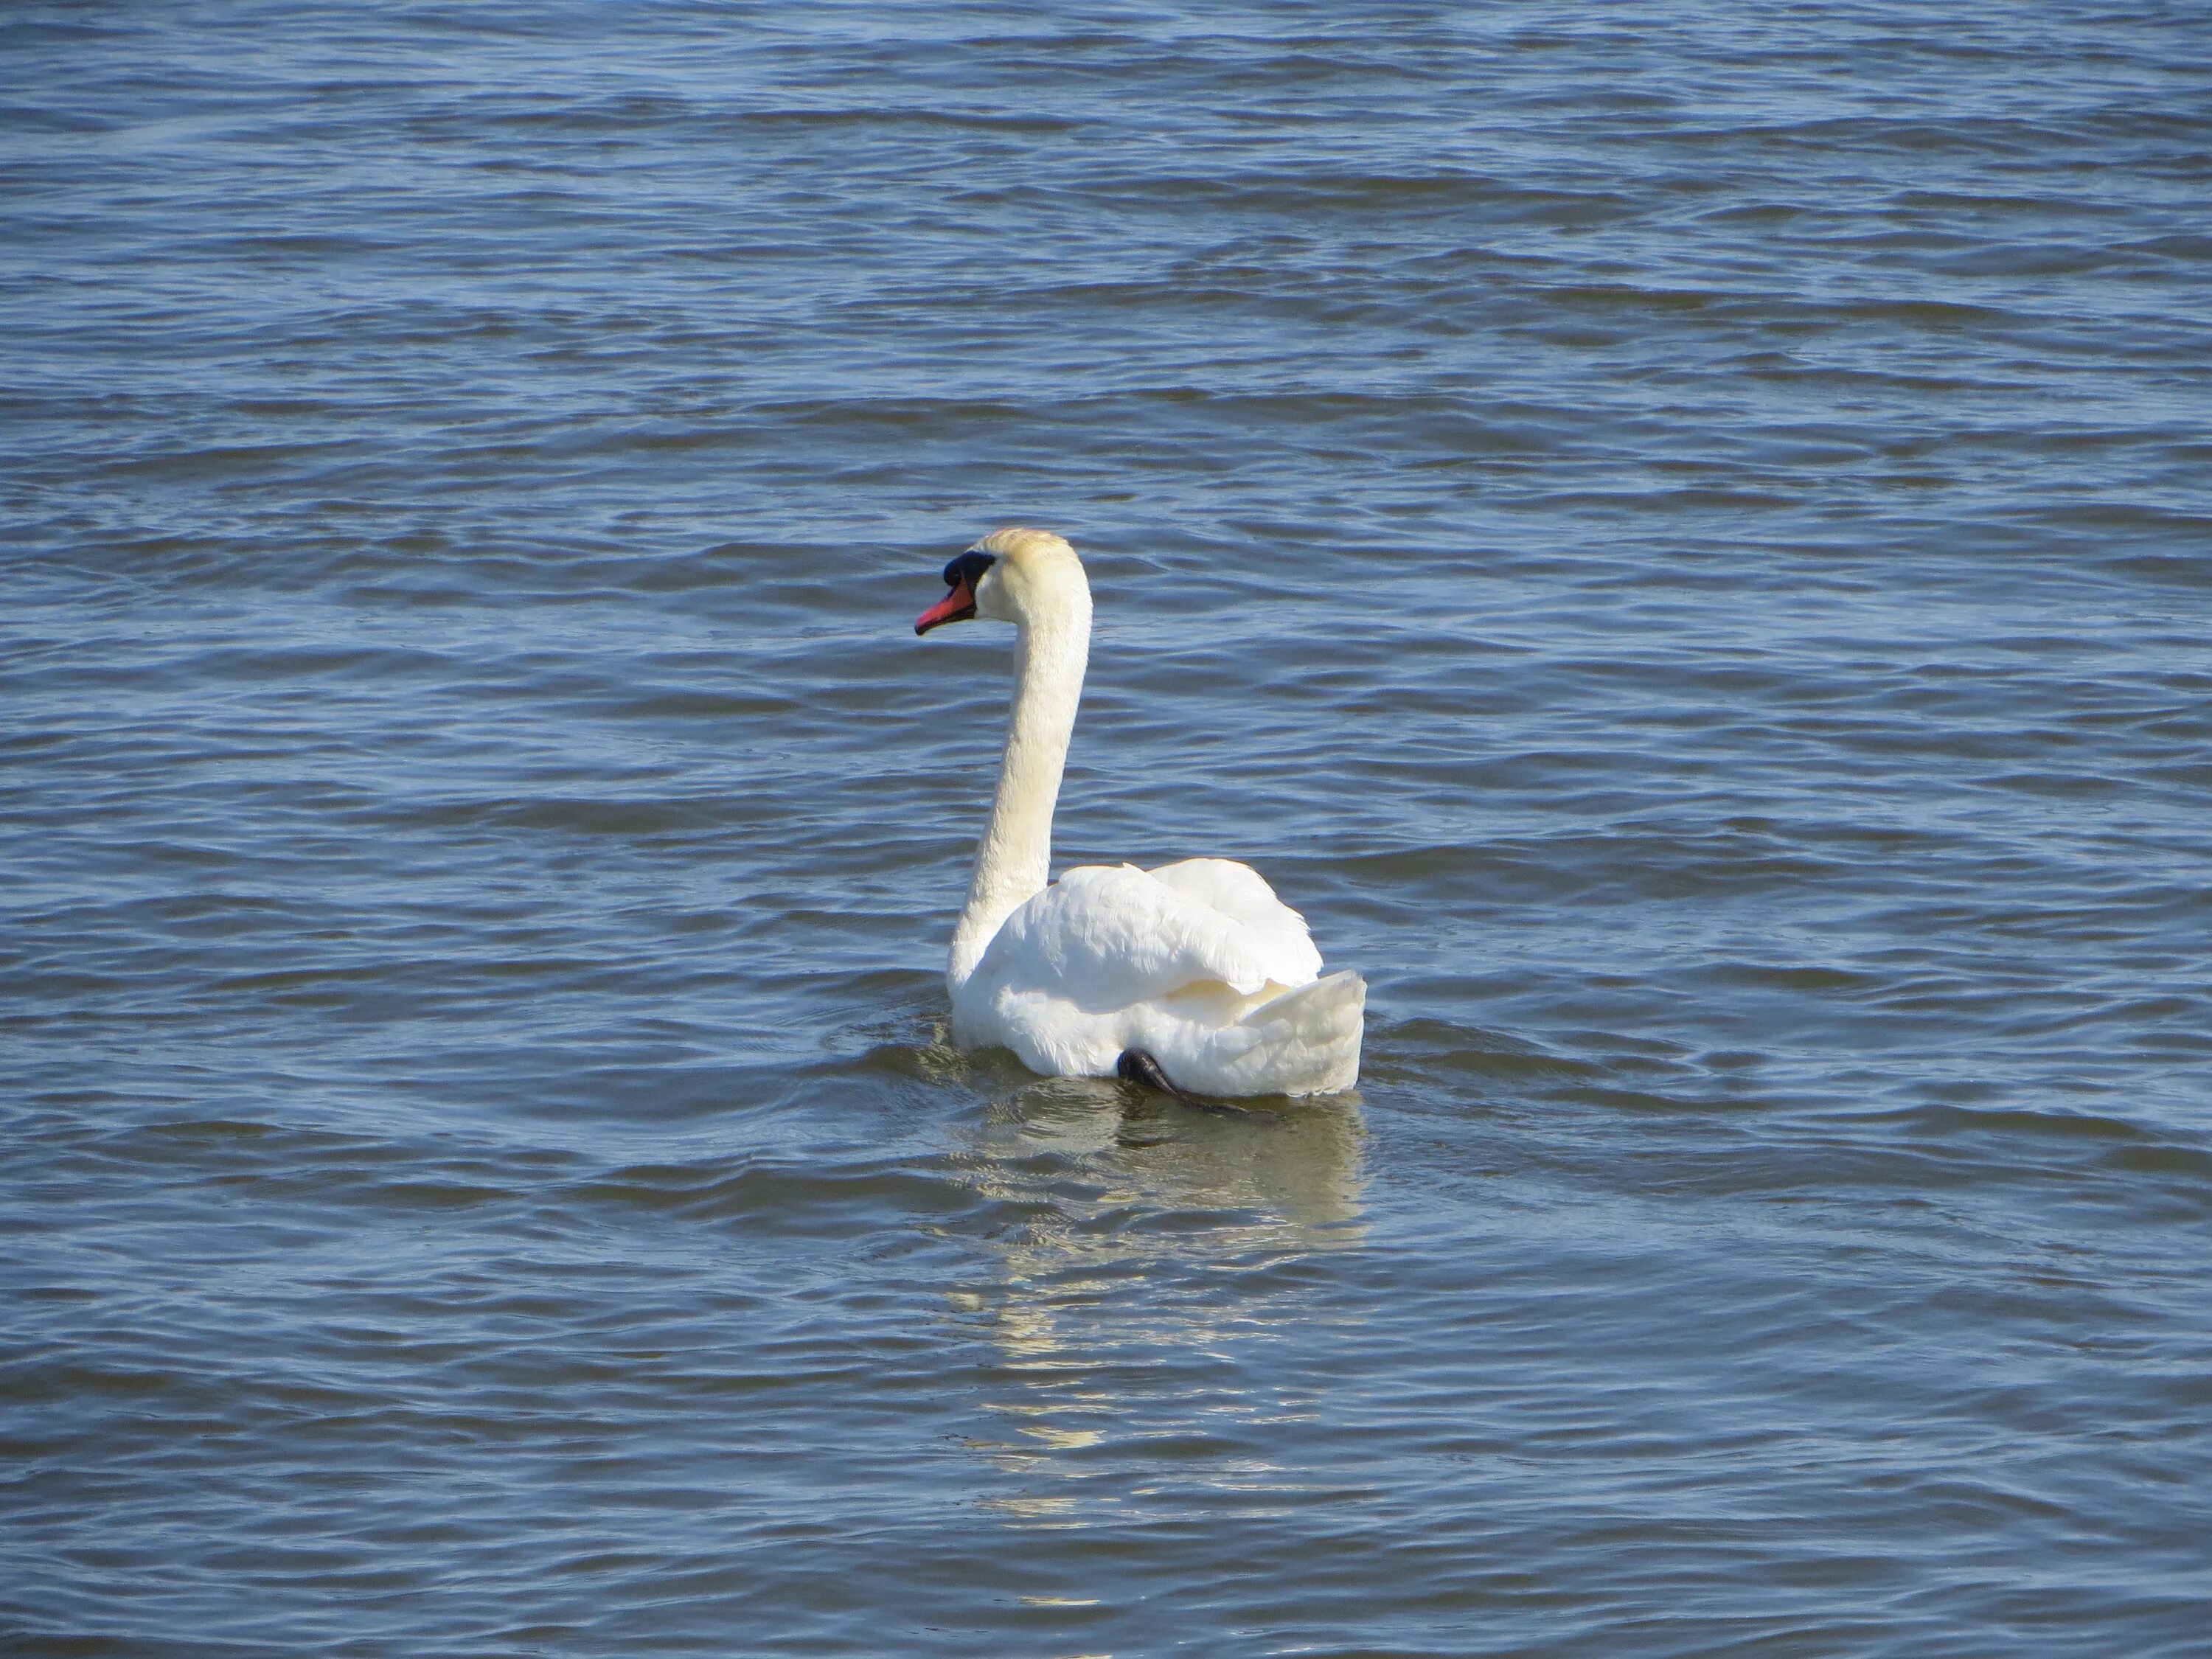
point(1192, 977)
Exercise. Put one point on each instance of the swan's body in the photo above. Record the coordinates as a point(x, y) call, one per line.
point(1197, 964)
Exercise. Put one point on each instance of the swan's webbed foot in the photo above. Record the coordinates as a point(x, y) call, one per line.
point(1135, 1066)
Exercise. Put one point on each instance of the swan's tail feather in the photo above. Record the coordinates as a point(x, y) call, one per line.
point(1306, 1041)
point(1209, 1041)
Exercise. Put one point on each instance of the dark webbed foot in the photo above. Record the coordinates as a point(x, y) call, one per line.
point(1135, 1066)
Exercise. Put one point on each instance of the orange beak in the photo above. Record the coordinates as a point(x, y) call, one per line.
point(955, 606)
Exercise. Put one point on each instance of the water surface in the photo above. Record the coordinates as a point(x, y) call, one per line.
point(1676, 535)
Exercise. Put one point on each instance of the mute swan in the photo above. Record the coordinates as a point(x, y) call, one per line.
point(1191, 977)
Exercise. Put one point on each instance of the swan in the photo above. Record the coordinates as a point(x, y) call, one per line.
point(1193, 977)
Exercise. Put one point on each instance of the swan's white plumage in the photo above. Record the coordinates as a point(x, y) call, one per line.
point(1198, 963)
point(1105, 937)
point(1238, 892)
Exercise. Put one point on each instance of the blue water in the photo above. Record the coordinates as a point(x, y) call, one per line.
point(1676, 535)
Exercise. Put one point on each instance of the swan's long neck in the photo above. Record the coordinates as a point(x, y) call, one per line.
point(1014, 859)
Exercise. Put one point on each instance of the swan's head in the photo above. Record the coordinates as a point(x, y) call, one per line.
point(1011, 575)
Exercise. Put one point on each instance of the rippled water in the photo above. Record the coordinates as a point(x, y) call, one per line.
point(1677, 535)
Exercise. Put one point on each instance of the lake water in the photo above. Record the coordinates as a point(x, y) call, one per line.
point(1678, 535)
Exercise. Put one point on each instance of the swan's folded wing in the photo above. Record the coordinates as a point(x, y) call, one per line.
point(1241, 893)
point(1105, 937)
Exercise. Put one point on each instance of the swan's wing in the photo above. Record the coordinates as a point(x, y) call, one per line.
point(1241, 894)
point(1301, 1041)
point(1106, 938)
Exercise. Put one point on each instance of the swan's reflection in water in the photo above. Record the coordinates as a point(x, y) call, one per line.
point(1134, 1310)
point(1295, 1170)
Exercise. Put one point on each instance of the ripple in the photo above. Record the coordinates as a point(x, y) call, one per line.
point(1675, 539)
